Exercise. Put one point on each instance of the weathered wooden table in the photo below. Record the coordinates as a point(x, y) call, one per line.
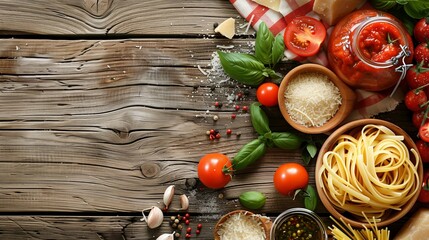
point(102, 106)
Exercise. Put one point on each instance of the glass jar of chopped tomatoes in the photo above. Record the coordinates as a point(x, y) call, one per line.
point(367, 49)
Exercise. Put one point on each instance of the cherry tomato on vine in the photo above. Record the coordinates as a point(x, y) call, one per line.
point(424, 132)
point(414, 100)
point(304, 35)
point(417, 76)
point(417, 118)
point(267, 94)
point(424, 192)
point(423, 148)
point(421, 30)
point(214, 170)
point(290, 177)
point(421, 54)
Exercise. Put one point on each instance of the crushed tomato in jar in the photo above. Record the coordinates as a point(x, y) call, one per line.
point(365, 49)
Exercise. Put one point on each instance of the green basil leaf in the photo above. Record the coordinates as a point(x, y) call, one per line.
point(278, 50)
point(242, 67)
point(259, 119)
point(417, 9)
point(383, 4)
point(306, 157)
point(286, 140)
point(402, 2)
point(310, 199)
point(311, 149)
point(263, 44)
point(248, 154)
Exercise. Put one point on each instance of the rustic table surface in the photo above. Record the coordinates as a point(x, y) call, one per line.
point(103, 105)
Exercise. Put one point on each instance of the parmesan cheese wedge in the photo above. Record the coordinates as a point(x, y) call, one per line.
point(227, 28)
point(331, 11)
point(271, 4)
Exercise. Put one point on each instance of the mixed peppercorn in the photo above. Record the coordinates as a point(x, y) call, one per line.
point(298, 227)
point(176, 222)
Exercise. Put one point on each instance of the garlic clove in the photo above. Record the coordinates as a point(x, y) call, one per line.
point(155, 217)
point(184, 202)
point(168, 196)
point(166, 236)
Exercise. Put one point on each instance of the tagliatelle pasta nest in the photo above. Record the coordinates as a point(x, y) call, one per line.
point(370, 171)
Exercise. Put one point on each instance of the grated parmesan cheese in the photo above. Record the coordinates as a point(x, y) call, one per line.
point(312, 99)
point(240, 226)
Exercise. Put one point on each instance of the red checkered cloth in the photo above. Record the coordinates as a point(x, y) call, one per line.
point(368, 104)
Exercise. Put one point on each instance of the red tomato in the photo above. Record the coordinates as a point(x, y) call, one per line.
point(424, 192)
point(290, 177)
point(213, 170)
point(414, 100)
point(423, 148)
point(421, 30)
point(421, 54)
point(417, 77)
point(267, 94)
point(304, 35)
point(418, 118)
point(424, 132)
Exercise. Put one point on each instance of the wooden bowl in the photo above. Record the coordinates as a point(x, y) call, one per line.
point(346, 107)
point(264, 222)
point(351, 128)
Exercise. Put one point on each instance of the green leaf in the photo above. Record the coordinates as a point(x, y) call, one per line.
point(278, 50)
point(417, 9)
point(311, 149)
point(286, 140)
point(272, 74)
point(259, 119)
point(242, 67)
point(306, 157)
point(252, 199)
point(248, 154)
point(383, 5)
point(310, 198)
point(263, 44)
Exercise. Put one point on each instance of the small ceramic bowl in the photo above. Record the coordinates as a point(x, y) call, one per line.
point(264, 222)
point(310, 223)
point(352, 128)
point(347, 102)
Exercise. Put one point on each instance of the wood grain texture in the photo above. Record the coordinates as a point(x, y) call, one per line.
point(113, 17)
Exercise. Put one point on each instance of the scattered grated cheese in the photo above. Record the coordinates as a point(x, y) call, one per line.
point(312, 99)
point(240, 226)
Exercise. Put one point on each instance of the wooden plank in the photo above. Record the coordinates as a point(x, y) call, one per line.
point(108, 17)
point(83, 122)
point(110, 227)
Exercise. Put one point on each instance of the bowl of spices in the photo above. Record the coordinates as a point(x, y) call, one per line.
point(313, 100)
point(298, 223)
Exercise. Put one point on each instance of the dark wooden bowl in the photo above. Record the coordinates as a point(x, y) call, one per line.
point(346, 107)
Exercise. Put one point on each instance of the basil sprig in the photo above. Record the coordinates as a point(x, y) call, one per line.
point(414, 8)
point(253, 69)
point(255, 149)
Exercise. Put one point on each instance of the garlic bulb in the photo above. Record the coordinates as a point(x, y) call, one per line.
point(168, 196)
point(155, 217)
point(184, 202)
point(166, 236)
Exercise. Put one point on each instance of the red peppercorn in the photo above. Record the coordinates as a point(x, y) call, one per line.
point(218, 136)
point(199, 226)
point(187, 222)
point(212, 137)
point(197, 231)
point(188, 235)
point(188, 216)
point(189, 230)
point(212, 131)
point(184, 218)
point(233, 116)
point(239, 95)
point(245, 108)
point(228, 131)
point(237, 107)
